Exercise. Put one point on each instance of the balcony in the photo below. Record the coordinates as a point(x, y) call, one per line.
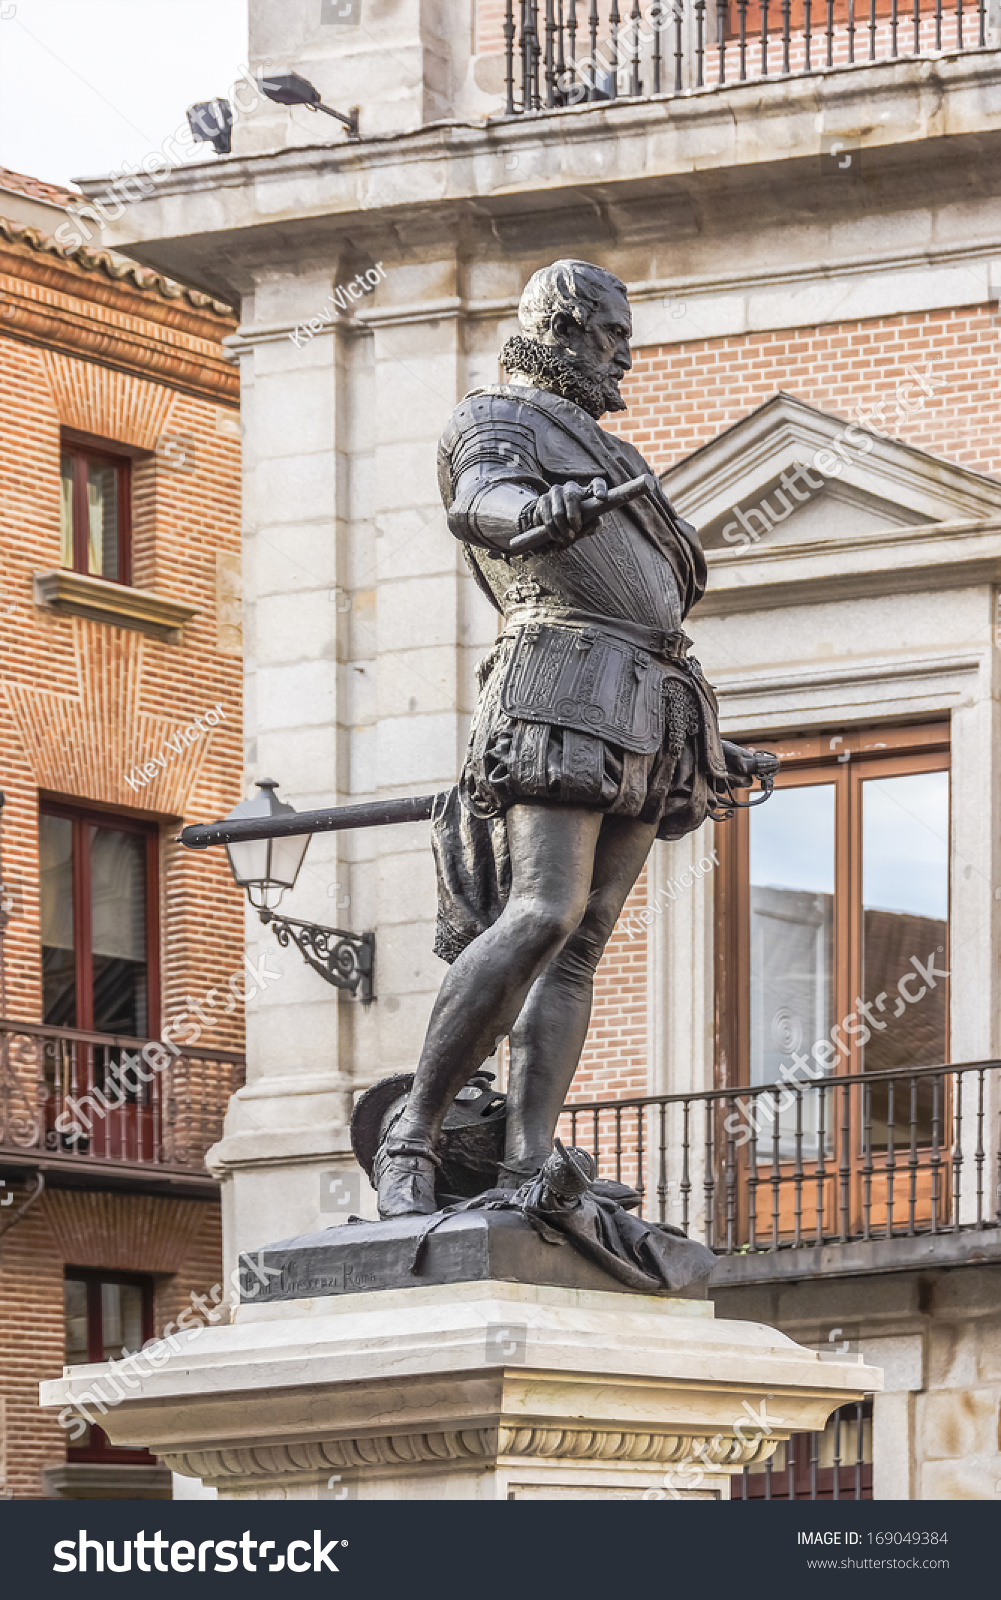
point(567, 54)
point(880, 1171)
point(95, 1110)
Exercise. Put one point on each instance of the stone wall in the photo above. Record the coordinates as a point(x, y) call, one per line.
point(937, 1337)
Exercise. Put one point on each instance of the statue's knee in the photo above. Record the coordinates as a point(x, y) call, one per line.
point(542, 926)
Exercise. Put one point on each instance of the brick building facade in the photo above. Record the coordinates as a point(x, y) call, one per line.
point(120, 715)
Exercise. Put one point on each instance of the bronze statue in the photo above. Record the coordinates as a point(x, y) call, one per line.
point(595, 732)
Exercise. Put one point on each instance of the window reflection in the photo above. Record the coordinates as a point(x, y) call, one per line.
point(905, 909)
point(102, 519)
point(58, 943)
point(118, 931)
point(792, 952)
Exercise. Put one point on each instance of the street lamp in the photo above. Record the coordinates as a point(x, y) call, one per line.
point(290, 89)
point(266, 867)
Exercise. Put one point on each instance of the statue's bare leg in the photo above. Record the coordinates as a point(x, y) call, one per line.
point(552, 860)
point(548, 1037)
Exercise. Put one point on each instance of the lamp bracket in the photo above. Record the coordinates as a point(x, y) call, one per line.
point(346, 960)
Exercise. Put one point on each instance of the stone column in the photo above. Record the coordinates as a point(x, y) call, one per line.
point(363, 628)
point(285, 1125)
point(401, 62)
point(894, 1466)
point(680, 1002)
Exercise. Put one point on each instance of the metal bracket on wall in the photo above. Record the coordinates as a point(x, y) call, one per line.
point(346, 960)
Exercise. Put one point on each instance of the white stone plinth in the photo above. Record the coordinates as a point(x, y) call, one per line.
point(477, 1391)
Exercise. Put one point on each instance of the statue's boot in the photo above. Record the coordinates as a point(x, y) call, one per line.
point(404, 1173)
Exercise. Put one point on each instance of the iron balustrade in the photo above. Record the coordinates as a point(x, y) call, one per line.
point(900, 1153)
point(830, 1464)
point(76, 1097)
point(572, 52)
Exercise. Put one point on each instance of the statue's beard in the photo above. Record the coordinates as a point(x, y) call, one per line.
point(610, 391)
point(594, 390)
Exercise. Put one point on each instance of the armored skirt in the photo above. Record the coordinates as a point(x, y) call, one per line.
point(533, 742)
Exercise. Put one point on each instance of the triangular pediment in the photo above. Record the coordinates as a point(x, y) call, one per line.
point(790, 474)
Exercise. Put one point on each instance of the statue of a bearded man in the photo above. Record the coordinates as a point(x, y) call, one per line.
point(595, 732)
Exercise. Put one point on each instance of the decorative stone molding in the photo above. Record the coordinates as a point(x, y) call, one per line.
point(905, 487)
point(77, 594)
point(307, 1457)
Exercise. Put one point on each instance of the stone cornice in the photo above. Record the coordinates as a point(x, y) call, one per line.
point(77, 594)
point(899, 561)
point(46, 299)
point(620, 172)
point(771, 700)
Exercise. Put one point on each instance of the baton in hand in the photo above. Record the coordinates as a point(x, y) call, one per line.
point(592, 509)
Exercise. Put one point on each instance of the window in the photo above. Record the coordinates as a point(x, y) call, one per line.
point(833, 905)
point(106, 1316)
point(99, 922)
point(95, 512)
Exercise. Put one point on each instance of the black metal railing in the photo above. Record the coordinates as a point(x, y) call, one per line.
point(877, 1155)
point(834, 1463)
point(102, 1100)
point(571, 52)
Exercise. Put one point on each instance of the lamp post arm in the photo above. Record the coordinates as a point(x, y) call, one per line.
point(370, 814)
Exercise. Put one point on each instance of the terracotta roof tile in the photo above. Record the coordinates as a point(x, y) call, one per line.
point(37, 188)
point(113, 265)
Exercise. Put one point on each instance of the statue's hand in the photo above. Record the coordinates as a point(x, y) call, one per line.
point(561, 511)
point(744, 765)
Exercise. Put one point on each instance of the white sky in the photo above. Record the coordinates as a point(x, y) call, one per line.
point(86, 85)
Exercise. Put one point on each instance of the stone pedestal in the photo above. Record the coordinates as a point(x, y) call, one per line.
point(472, 1391)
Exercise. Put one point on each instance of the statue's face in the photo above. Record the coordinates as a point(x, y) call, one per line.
point(601, 350)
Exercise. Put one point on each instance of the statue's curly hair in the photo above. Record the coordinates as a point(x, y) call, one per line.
point(573, 287)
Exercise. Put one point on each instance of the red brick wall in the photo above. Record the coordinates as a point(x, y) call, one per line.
point(82, 703)
point(178, 1241)
point(489, 38)
point(614, 1061)
point(682, 395)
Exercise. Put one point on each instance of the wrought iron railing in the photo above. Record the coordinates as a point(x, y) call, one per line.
point(106, 1101)
point(877, 1155)
point(834, 1463)
point(570, 52)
